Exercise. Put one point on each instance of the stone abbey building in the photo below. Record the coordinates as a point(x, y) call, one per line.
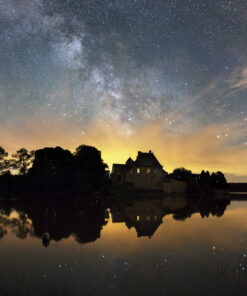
point(144, 173)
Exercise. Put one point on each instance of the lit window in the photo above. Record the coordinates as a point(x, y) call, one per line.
point(138, 218)
point(138, 171)
point(148, 171)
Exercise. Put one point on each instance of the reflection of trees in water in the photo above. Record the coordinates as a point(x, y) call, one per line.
point(203, 207)
point(88, 225)
point(59, 219)
point(56, 220)
point(3, 231)
point(20, 225)
point(24, 227)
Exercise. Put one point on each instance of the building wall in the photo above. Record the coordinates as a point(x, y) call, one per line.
point(145, 211)
point(174, 203)
point(147, 178)
point(118, 177)
point(174, 186)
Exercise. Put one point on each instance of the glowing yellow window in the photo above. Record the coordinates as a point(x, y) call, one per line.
point(138, 218)
point(138, 171)
point(148, 171)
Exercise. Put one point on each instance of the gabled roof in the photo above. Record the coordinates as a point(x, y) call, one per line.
point(144, 159)
point(130, 161)
point(147, 160)
point(116, 167)
point(143, 228)
point(146, 228)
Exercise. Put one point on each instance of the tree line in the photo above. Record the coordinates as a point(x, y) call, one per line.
point(55, 169)
point(204, 180)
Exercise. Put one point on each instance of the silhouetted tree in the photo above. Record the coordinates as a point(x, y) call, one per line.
point(182, 174)
point(204, 178)
point(207, 177)
point(89, 168)
point(22, 160)
point(51, 170)
point(3, 154)
point(213, 179)
point(51, 162)
point(218, 180)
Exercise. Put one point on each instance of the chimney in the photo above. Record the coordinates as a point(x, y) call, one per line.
point(150, 151)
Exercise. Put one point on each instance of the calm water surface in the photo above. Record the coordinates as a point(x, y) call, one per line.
point(168, 246)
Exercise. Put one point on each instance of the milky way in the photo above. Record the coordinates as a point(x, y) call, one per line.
point(181, 65)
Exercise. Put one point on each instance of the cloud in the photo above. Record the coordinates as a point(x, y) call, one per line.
point(236, 178)
point(241, 80)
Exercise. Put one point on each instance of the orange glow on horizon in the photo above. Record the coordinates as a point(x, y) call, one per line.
point(195, 151)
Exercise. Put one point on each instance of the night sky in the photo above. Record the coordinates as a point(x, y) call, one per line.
point(127, 75)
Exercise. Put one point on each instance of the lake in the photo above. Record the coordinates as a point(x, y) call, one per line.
point(160, 246)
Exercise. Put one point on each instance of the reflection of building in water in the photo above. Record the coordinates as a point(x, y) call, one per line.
point(146, 215)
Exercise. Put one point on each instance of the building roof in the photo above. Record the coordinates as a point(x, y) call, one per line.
point(147, 160)
point(146, 228)
point(144, 159)
point(130, 161)
point(143, 228)
point(116, 167)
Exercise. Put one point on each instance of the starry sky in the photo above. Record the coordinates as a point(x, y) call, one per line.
point(128, 75)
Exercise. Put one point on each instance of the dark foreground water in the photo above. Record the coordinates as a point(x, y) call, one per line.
point(168, 246)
